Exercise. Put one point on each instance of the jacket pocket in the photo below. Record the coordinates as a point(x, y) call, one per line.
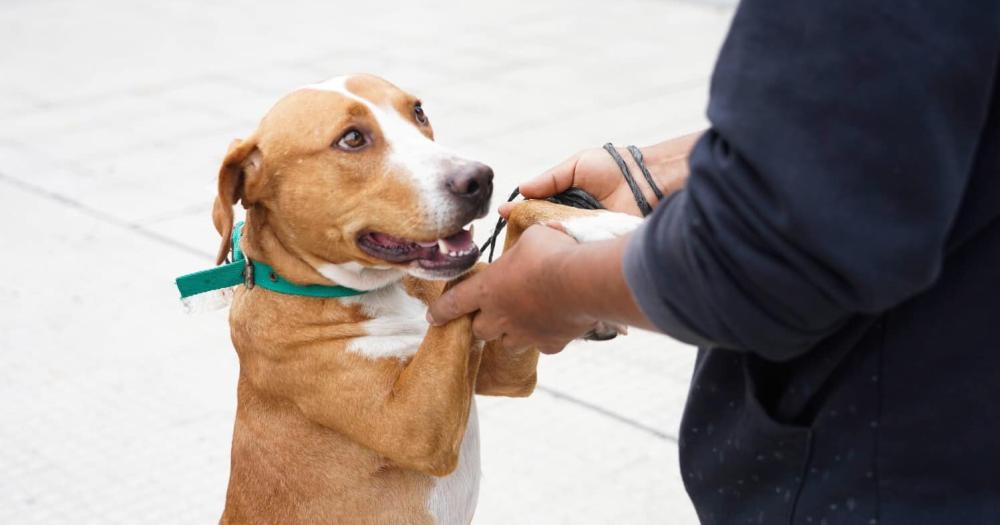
point(739, 464)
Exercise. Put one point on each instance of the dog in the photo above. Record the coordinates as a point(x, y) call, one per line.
point(354, 409)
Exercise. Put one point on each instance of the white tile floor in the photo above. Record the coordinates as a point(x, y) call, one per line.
point(117, 408)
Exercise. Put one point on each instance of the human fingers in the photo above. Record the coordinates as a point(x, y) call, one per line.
point(555, 180)
point(461, 299)
point(505, 209)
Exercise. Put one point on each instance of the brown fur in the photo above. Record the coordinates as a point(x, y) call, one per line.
point(322, 434)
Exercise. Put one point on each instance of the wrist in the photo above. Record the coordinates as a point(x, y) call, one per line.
point(599, 291)
point(668, 161)
point(570, 283)
point(670, 151)
point(584, 275)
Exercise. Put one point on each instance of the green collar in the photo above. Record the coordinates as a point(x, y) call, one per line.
point(252, 273)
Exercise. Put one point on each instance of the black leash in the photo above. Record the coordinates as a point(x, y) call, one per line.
point(501, 222)
point(574, 197)
point(640, 199)
point(639, 161)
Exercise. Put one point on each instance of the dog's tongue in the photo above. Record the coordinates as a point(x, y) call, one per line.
point(460, 242)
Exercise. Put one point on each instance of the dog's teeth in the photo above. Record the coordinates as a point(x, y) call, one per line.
point(442, 246)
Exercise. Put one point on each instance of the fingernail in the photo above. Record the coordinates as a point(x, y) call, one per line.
point(430, 318)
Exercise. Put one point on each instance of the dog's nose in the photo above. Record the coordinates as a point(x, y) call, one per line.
point(473, 181)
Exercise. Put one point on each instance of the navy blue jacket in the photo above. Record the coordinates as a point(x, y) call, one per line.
point(836, 256)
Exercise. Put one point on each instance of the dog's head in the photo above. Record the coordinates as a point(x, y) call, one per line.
point(348, 177)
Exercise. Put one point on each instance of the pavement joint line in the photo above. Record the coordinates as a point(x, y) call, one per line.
point(158, 143)
point(101, 215)
point(176, 213)
point(558, 394)
point(142, 89)
point(208, 109)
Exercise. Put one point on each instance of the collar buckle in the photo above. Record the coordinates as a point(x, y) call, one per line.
point(248, 275)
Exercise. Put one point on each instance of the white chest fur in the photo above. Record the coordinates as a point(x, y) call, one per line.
point(453, 498)
point(397, 324)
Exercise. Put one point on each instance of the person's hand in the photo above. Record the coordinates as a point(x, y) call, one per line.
point(594, 171)
point(520, 297)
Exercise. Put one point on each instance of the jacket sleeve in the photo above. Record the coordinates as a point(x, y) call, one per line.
point(842, 138)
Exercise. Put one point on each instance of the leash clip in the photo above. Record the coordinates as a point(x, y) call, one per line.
point(248, 276)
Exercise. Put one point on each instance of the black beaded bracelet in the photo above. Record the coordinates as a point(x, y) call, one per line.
point(640, 199)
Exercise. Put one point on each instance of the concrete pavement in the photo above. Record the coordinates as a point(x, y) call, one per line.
point(114, 115)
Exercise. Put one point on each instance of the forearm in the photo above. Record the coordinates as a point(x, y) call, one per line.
point(589, 280)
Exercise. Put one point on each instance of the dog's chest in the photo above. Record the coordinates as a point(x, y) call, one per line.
point(396, 325)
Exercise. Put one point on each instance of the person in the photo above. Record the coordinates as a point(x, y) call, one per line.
point(834, 251)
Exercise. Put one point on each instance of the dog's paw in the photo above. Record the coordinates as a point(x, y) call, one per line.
point(600, 225)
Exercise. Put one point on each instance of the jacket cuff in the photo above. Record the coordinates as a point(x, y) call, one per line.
point(639, 265)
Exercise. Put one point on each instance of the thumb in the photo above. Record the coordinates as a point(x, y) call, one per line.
point(555, 180)
point(506, 208)
point(460, 300)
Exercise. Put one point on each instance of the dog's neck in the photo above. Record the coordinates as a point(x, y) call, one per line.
point(261, 242)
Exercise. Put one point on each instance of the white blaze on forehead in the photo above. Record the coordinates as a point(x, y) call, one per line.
point(410, 151)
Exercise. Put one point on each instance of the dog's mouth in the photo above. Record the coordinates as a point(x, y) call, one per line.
point(457, 251)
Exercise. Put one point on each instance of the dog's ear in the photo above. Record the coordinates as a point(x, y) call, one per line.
point(242, 167)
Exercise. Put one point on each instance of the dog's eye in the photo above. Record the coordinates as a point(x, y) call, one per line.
point(418, 113)
point(352, 140)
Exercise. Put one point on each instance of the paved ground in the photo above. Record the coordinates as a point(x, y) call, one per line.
point(117, 407)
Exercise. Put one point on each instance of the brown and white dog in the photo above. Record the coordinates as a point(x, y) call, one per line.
point(354, 410)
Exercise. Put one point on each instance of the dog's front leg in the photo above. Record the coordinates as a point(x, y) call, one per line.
point(513, 373)
point(510, 373)
point(412, 413)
